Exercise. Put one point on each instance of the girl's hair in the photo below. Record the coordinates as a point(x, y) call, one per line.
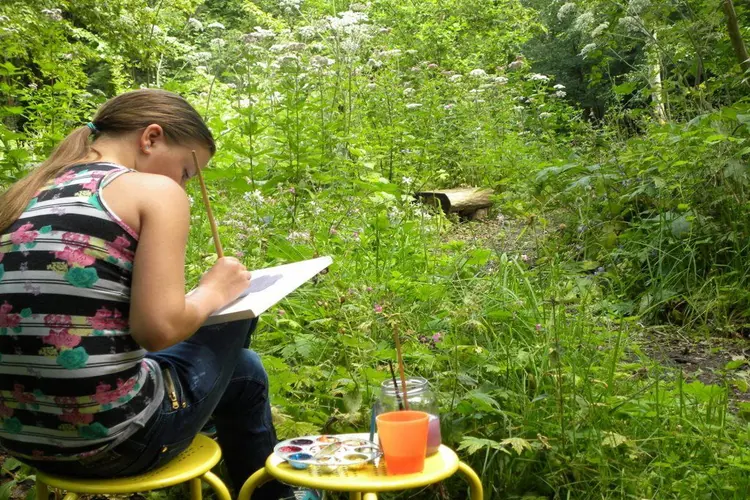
point(125, 113)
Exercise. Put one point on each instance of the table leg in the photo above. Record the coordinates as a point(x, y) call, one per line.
point(355, 495)
point(42, 493)
point(195, 489)
point(221, 490)
point(257, 480)
point(370, 496)
point(477, 492)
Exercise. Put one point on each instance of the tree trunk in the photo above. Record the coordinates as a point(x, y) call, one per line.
point(465, 201)
point(734, 34)
point(654, 80)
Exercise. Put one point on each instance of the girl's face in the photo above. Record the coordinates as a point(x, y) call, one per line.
point(159, 156)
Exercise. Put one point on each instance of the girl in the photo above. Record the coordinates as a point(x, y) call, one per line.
point(104, 369)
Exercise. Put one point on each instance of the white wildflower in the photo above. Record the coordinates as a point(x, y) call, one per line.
point(289, 6)
point(156, 29)
point(599, 29)
point(195, 24)
point(413, 105)
point(321, 62)
point(587, 49)
point(217, 26)
point(449, 106)
point(631, 24)
point(200, 56)
point(559, 86)
point(476, 91)
point(4, 19)
point(407, 180)
point(374, 63)
point(278, 47)
point(566, 10)
point(33, 86)
point(545, 115)
point(560, 93)
point(412, 52)
point(218, 43)
point(371, 86)
point(409, 91)
point(298, 236)
point(350, 45)
point(456, 78)
point(584, 22)
point(518, 108)
point(500, 80)
point(254, 197)
point(296, 46)
point(636, 7)
point(317, 46)
point(53, 14)
point(537, 77)
point(307, 32)
point(231, 85)
point(358, 7)
point(478, 73)
point(258, 35)
point(386, 54)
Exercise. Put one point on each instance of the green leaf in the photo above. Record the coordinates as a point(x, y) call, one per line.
point(7, 489)
point(613, 440)
point(11, 464)
point(472, 445)
point(625, 88)
point(518, 444)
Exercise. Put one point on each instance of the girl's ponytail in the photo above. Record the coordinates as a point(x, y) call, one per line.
point(74, 148)
point(125, 113)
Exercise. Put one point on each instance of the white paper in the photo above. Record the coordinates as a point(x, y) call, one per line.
point(268, 287)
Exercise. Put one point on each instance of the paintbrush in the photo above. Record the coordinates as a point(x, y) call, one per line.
point(401, 367)
point(207, 203)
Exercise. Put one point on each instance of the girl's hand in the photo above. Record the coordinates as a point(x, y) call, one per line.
point(228, 278)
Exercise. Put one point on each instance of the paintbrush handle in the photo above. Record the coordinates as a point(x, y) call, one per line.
point(400, 360)
point(207, 203)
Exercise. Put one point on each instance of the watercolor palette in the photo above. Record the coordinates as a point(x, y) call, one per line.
point(327, 453)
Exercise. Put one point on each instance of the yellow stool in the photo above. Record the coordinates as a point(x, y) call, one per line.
point(193, 464)
point(369, 480)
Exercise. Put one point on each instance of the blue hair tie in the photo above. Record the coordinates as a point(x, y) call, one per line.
point(92, 127)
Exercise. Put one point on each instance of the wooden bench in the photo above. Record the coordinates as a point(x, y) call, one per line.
point(470, 203)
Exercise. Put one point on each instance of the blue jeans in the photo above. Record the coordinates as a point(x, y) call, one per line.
point(214, 373)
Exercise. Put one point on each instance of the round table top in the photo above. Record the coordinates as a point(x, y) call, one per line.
point(370, 478)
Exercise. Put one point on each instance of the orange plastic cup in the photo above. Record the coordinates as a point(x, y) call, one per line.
point(403, 436)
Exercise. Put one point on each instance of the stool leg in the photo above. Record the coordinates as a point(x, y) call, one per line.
point(371, 496)
point(257, 480)
point(355, 495)
point(42, 493)
point(477, 492)
point(195, 489)
point(221, 490)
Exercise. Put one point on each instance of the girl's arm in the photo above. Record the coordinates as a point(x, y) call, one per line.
point(161, 315)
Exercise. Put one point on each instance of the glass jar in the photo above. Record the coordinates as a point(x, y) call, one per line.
point(420, 398)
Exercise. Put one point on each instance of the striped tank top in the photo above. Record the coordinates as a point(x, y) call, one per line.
point(72, 380)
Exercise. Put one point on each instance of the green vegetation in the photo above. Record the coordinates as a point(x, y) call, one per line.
point(615, 133)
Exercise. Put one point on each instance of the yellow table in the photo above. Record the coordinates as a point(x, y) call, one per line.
point(368, 480)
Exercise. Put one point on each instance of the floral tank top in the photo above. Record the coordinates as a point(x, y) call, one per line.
point(72, 379)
